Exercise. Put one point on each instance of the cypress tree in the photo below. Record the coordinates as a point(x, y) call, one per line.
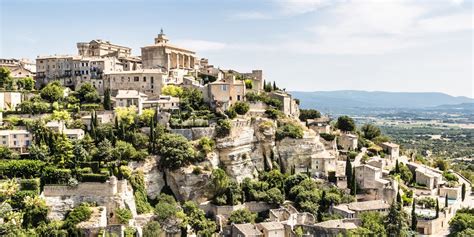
point(446, 200)
point(151, 144)
point(399, 198)
point(437, 208)
point(319, 216)
point(348, 172)
point(354, 184)
point(107, 103)
point(463, 191)
point(397, 167)
point(413, 217)
point(274, 86)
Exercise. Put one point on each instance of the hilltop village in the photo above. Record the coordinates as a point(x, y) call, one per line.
point(104, 143)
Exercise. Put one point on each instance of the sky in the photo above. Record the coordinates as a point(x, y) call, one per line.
point(303, 45)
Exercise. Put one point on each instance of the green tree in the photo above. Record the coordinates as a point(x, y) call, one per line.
point(26, 83)
point(175, 151)
point(52, 92)
point(172, 90)
point(123, 215)
point(354, 183)
point(306, 114)
point(446, 200)
point(441, 164)
point(242, 216)
point(107, 101)
point(166, 208)
point(373, 221)
point(463, 191)
point(4, 76)
point(413, 217)
point(152, 229)
point(88, 94)
point(437, 208)
point(370, 131)
point(462, 223)
point(35, 211)
point(348, 172)
point(198, 221)
point(241, 107)
point(396, 221)
point(345, 123)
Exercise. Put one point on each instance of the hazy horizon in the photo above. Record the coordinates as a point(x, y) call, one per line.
point(303, 45)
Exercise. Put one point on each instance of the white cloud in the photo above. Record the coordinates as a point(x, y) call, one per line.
point(295, 7)
point(250, 15)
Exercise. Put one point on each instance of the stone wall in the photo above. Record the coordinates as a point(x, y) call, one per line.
point(227, 210)
point(195, 133)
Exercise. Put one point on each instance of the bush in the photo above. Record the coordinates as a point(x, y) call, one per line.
point(241, 107)
point(206, 144)
point(20, 168)
point(230, 112)
point(223, 128)
point(197, 170)
point(123, 215)
point(102, 178)
point(274, 113)
point(53, 175)
point(175, 151)
point(450, 176)
point(90, 107)
point(289, 130)
point(79, 214)
point(345, 123)
point(141, 200)
point(242, 216)
point(306, 114)
point(30, 184)
point(327, 136)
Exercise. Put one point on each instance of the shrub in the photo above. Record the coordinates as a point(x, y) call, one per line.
point(30, 184)
point(102, 178)
point(175, 151)
point(309, 114)
point(90, 107)
point(241, 107)
point(327, 136)
point(197, 170)
point(230, 112)
point(123, 215)
point(20, 168)
point(53, 175)
point(450, 176)
point(141, 200)
point(206, 144)
point(79, 214)
point(289, 130)
point(223, 128)
point(273, 113)
point(242, 216)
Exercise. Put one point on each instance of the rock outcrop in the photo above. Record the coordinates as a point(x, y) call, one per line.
point(187, 185)
point(154, 180)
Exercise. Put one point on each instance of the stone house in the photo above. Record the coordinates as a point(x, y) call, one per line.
point(354, 209)
point(256, 76)
point(371, 179)
point(332, 228)
point(272, 229)
point(224, 93)
point(289, 105)
point(322, 163)
point(391, 149)
point(102, 117)
point(148, 81)
point(348, 141)
point(245, 230)
point(426, 176)
point(19, 68)
point(60, 127)
point(128, 98)
point(102, 48)
point(17, 140)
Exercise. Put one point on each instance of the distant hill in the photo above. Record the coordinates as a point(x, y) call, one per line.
point(463, 106)
point(347, 99)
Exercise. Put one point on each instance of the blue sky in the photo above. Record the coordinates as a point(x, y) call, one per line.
point(307, 45)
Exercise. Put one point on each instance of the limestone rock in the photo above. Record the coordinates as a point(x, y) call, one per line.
point(189, 186)
point(154, 180)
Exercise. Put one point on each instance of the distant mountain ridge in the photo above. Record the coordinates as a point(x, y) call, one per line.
point(377, 99)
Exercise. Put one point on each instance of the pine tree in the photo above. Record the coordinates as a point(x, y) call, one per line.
point(396, 220)
point(463, 191)
point(274, 86)
point(437, 208)
point(348, 172)
point(107, 103)
point(413, 217)
point(323, 202)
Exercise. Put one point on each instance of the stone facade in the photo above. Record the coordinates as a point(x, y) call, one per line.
point(224, 93)
point(348, 141)
point(17, 140)
point(148, 81)
point(166, 56)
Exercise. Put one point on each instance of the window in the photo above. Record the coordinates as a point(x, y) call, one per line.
point(14, 135)
point(152, 80)
point(230, 97)
point(136, 79)
point(14, 143)
point(238, 97)
point(224, 87)
point(144, 79)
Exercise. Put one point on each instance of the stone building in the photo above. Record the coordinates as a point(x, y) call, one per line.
point(224, 93)
point(19, 68)
point(148, 81)
point(17, 140)
point(391, 149)
point(371, 179)
point(245, 230)
point(348, 141)
point(102, 48)
point(167, 56)
point(289, 105)
point(72, 71)
point(354, 209)
point(128, 98)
